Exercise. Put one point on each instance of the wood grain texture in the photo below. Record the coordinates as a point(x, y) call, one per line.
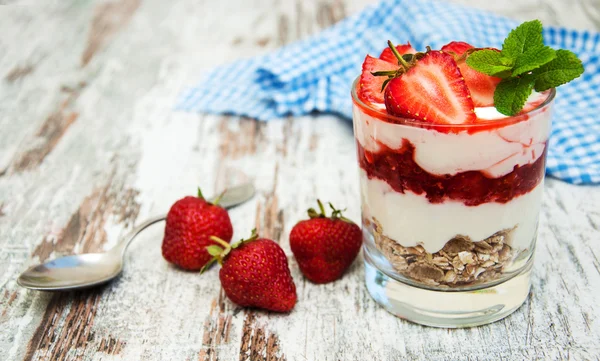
point(90, 145)
point(49, 133)
point(18, 73)
point(108, 19)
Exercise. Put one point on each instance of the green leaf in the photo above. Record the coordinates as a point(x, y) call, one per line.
point(490, 62)
point(564, 68)
point(511, 94)
point(524, 37)
point(384, 73)
point(532, 59)
point(385, 82)
point(207, 265)
point(214, 250)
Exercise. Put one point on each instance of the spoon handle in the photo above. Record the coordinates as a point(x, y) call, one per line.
point(230, 198)
point(122, 246)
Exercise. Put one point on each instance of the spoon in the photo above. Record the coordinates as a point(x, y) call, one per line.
point(92, 269)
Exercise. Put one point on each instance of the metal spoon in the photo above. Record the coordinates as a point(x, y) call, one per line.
point(92, 269)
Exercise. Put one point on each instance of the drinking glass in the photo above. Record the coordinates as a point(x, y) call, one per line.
point(450, 212)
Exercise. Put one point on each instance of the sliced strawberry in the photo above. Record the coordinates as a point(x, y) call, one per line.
point(457, 47)
point(387, 54)
point(369, 86)
point(480, 85)
point(433, 90)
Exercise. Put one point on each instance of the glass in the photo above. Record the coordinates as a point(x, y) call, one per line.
point(450, 212)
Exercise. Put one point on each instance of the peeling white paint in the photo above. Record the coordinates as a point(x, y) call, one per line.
point(126, 123)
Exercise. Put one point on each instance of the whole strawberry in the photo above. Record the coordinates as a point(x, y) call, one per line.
point(190, 223)
point(255, 273)
point(325, 246)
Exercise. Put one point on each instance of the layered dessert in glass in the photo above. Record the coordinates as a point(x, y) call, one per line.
point(451, 188)
point(448, 206)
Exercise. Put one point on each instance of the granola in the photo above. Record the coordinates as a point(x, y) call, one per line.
point(459, 263)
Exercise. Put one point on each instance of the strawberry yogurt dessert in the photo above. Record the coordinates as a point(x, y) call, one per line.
point(452, 153)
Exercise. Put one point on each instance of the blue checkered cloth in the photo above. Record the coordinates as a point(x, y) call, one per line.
point(315, 74)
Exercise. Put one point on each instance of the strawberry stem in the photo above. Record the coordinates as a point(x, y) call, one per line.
point(321, 208)
point(401, 60)
point(200, 195)
point(209, 264)
point(218, 199)
point(220, 241)
point(312, 213)
point(253, 237)
point(384, 73)
point(335, 213)
point(219, 254)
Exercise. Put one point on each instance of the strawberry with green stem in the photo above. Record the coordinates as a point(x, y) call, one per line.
point(370, 84)
point(254, 273)
point(323, 246)
point(428, 87)
point(190, 223)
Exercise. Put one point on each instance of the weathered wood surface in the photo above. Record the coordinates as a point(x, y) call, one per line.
point(89, 145)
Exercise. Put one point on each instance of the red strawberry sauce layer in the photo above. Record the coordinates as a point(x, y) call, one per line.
point(398, 168)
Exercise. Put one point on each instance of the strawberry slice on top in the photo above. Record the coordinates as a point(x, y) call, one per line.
point(456, 47)
point(387, 54)
point(432, 90)
point(369, 85)
point(480, 85)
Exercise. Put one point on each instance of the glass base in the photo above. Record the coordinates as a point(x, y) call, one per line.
point(448, 309)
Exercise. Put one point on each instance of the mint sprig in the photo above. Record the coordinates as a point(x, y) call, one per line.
point(512, 93)
point(524, 64)
point(564, 68)
point(490, 62)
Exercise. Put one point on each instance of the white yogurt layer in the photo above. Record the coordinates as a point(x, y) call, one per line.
point(412, 220)
point(494, 152)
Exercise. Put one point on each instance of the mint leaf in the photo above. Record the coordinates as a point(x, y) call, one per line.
point(524, 37)
point(564, 68)
point(511, 94)
point(533, 58)
point(490, 62)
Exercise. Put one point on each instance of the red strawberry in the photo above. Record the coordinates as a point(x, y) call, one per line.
point(480, 85)
point(388, 56)
point(432, 90)
point(369, 85)
point(456, 47)
point(255, 273)
point(190, 223)
point(325, 246)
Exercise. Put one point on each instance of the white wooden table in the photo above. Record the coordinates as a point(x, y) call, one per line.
point(90, 146)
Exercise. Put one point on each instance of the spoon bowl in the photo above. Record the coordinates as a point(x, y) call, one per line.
point(72, 272)
point(93, 269)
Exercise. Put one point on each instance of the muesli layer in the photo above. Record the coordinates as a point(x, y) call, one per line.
point(462, 261)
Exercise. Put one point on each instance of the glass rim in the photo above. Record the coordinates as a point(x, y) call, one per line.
point(383, 115)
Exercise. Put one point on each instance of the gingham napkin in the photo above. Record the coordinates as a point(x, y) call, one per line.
point(315, 74)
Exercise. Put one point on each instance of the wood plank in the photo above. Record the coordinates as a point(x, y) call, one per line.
point(108, 19)
point(49, 134)
point(128, 156)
